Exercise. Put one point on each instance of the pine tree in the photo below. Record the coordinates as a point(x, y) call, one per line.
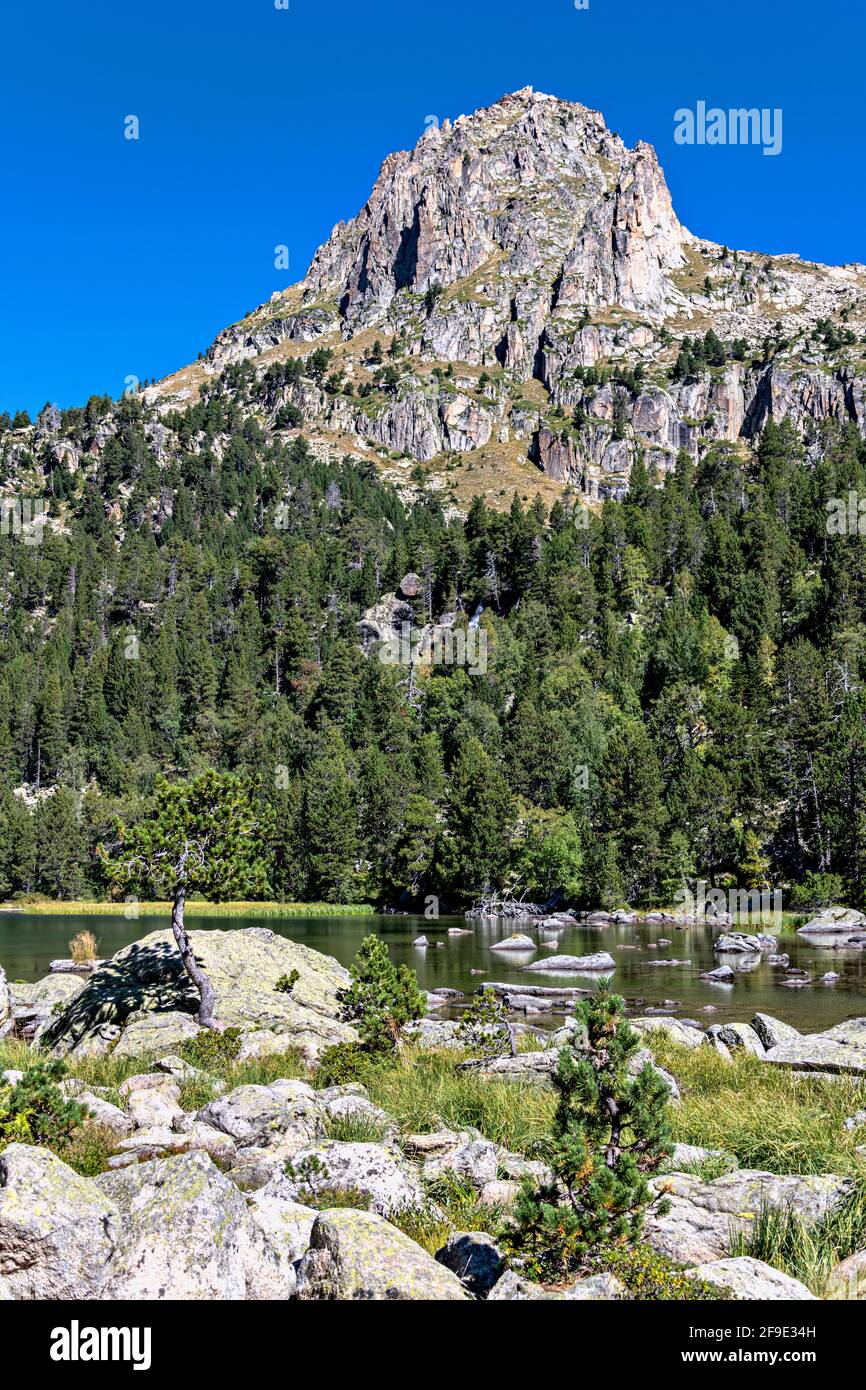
point(610, 1130)
point(382, 997)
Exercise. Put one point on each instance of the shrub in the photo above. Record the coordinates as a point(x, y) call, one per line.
point(36, 1111)
point(344, 1063)
point(212, 1051)
point(609, 1129)
point(382, 997)
point(286, 983)
point(651, 1277)
point(816, 891)
point(484, 1025)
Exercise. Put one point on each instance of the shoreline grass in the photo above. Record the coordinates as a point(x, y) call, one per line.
point(194, 908)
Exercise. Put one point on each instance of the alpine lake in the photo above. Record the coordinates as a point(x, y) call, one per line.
point(651, 977)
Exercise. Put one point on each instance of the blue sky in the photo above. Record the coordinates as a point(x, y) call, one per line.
point(262, 126)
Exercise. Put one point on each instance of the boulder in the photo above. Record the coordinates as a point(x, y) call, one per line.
point(152, 1099)
point(244, 967)
point(724, 975)
point(685, 1156)
point(517, 942)
point(107, 1116)
point(848, 1279)
point(501, 1193)
point(40, 1000)
point(147, 1034)
point(678, 1031)
point(834, 921)
point(772, 1031)
point(284, 1115)
point(6, 1294)
point(597, 1288)
point(381, 1177)
point(358, 1255)
point(286, 1227)
point(434, 1032)
point(743, 943)
point(57, 1229)
point(598, 963)
point(513, 1288)
point(704, 1215)
point(472, 1159)
point(475, 1258)
point(186, 1234)
point(738, 1035)
point(830, 1052)
point(747, 1278)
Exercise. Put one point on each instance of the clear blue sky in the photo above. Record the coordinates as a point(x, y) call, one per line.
point(262, 126)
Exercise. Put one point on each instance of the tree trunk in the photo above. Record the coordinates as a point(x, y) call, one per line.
point(190, 964)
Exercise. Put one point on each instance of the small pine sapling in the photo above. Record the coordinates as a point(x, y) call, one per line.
point(610, 1130)
point(382, 997)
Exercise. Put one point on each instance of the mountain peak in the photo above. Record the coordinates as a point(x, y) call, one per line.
point(538, 296)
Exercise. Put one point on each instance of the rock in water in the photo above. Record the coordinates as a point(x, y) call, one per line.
point(244, 967)
point(57, 1229)
point(517, 942)
point(599, 963)
point(834, 921)
point(356, 1255)
point(751, 1279)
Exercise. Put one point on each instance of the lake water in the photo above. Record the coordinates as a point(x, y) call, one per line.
point(28, 943)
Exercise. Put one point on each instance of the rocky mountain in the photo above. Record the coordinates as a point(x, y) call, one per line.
point(515, 267)
point(518, 306)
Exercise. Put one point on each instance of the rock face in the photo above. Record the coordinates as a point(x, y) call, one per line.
point(357, 1255)
point(147, 979)
point(704, 1215)
point(57, 1230)
point(751, 1279)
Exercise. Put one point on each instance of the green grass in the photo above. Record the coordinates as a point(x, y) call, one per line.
point(809, 1253)
point(426, 1093)
point(767, 1117)
point(195, 908)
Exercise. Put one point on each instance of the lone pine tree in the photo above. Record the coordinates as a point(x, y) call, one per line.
point(610, 1130)
point(205, 836)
